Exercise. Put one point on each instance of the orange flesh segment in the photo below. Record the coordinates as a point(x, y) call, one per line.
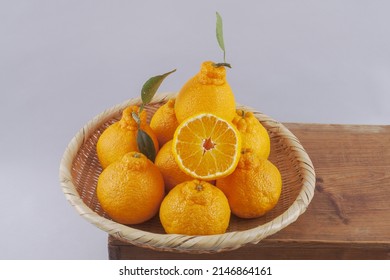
point(207, 146)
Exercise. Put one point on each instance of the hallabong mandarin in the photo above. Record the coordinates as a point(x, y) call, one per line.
point(169, 168)
point(254, 188)
point(254, 136)
point(164, 122)
point(207, 92)
point(195, 208)
point(131, 190)
point(121, 137)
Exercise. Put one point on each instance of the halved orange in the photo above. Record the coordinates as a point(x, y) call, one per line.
point(206, 147)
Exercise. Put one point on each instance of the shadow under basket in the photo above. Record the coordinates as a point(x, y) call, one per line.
point(80, 169)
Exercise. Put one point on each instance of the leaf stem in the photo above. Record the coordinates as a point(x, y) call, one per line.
point(222, 64)
point(136, 118)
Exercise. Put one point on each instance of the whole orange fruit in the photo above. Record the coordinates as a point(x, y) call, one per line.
point(164, 122)
point(254, 136)
point(121, 137)
point(206, 147)
point(253, 188)
point(171, 172)
point(195, 208)
point(207, 92)
point(130, 190)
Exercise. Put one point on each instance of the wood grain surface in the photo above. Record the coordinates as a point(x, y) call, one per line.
point(349, 216)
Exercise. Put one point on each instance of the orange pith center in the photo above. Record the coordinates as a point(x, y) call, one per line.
point(208, 144)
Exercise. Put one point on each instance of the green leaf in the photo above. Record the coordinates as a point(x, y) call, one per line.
point(219, 32)
point(151, 86)
point(145, 145)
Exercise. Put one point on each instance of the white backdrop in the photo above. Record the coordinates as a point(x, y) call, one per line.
point(63, 62)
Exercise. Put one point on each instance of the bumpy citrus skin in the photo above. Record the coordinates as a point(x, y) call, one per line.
point(207, 92)
point(131, 190)
point(254, 136)
point(195, 208)
point(164, 122)
point(169, 168)
point(121, 137)
point(254, 188)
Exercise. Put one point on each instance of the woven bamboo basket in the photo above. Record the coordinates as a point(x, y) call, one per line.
point(80, 168)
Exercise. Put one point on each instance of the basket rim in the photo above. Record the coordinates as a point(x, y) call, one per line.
point(177, 242)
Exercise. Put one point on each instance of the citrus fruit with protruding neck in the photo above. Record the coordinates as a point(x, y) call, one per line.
point(254, 136)
point(169, 168)
point(131, 189)
point(121, 137)
point(164, 122)
point(207, 92)
point(195, 208)
point(254, 188)
point(206, 147)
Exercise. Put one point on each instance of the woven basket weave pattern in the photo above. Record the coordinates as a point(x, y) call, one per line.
point(80, 169)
